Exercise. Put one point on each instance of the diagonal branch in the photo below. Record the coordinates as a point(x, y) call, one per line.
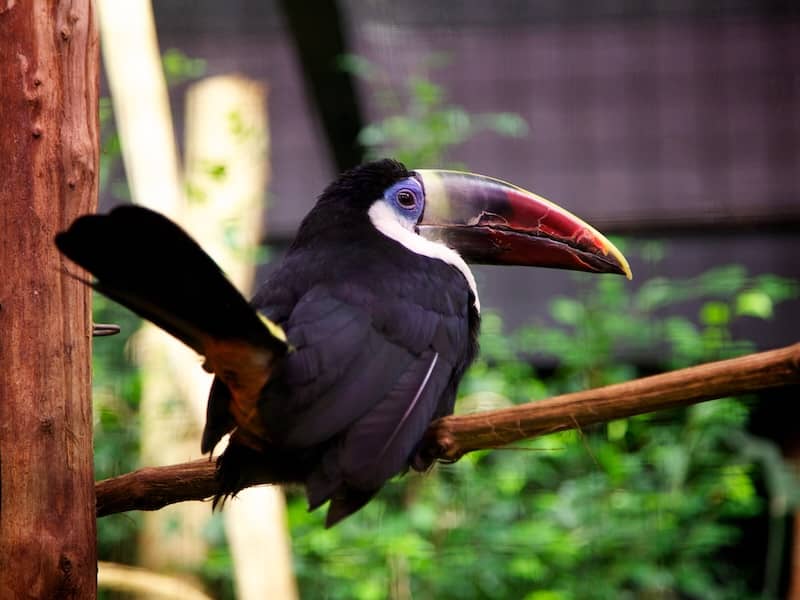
point(452, 437)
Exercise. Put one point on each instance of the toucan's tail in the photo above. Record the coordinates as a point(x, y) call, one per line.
point(146, 262)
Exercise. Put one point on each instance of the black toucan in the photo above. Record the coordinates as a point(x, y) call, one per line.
point(331, 375)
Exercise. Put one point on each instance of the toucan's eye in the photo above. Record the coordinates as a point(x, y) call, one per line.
point(406, 199)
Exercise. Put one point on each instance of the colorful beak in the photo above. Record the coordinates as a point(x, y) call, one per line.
point(493, 222)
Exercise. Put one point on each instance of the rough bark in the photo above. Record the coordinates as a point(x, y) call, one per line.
point(452, 437)
point(48, 176)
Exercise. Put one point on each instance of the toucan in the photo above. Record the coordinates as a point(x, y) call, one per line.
point(332, 373)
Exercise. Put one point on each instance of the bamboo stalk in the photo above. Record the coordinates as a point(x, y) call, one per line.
point(227, 128)
point(452, 437)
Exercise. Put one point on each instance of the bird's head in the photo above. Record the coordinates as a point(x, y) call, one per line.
point(484, 220)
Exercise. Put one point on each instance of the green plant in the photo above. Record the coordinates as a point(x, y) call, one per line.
point(422, 124)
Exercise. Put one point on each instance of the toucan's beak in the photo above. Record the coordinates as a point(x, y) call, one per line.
point(489, 221)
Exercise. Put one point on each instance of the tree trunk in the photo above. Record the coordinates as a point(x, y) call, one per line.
point(48, 176)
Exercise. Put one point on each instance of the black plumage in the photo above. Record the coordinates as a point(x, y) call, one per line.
point(380, 336)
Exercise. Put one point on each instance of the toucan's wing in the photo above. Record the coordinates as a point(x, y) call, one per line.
point(347, 355)
point(149, 264)
point(379, 445)
point(340, 366)
point(368, 377)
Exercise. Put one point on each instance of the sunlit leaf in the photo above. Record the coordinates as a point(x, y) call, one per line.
point(754, 303)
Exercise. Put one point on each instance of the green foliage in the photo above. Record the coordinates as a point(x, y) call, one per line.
point(422, 124)
point(116, 392)
point(180, 68)
point(110, 149)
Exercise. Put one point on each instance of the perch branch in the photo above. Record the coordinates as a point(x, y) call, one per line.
point(452, 437)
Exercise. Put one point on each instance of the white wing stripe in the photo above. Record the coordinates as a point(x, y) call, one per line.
point(410, 406)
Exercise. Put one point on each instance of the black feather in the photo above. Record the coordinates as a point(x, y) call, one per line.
point(146, 262)
point(218, 417)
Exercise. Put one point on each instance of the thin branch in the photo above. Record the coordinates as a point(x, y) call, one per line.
point(452, 437)
point(152, 488)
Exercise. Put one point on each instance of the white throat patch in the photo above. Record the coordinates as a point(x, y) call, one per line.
point(386, 221)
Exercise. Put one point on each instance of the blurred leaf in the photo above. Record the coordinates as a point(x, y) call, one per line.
point(754, 303)
point(653, 251)
point(715, 313)
point(425, 126)
point(425, 92)
point(547, 595)
point(216, 171)
point(654, 293)
point(779, 289)
point(722, 281)
point(178, 67)
point(617, 429)
point(507, 124)
point(357, 65)
point(566, 310)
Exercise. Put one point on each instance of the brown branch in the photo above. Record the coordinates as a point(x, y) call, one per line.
point(455, 436)
point(452, 437)
point(152, 488)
